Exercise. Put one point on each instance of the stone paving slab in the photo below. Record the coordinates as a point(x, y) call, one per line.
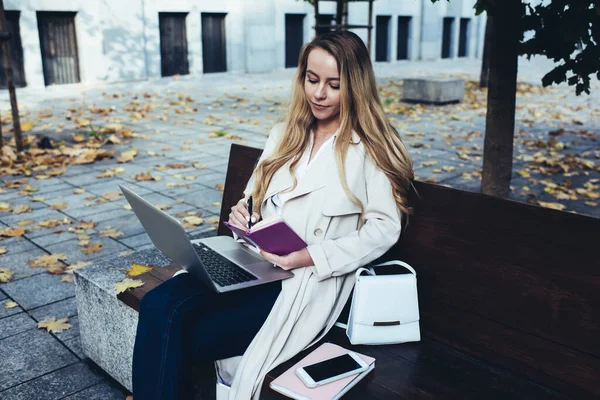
point(17, 263)
point(137, 241)
point(73, 251)
point(29, 355)
point(36, 215)
point(101, 391)
point(60, 309)
point(16, 324)
point(57, 384)
point(85, 213)
point(2, 295)
point(38, 290)
point(74, 344)
point(16, 245)
point(52, 237)
point(6, 312)
point(205, 199)
point(69, 333)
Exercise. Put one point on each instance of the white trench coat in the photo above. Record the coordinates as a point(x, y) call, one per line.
point(322, 214)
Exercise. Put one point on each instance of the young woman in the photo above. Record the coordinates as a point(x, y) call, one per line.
point(339, 174)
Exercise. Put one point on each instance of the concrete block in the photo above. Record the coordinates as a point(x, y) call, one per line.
point(433, 90)
point(107, 326)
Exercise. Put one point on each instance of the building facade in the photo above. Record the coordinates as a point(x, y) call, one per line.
point(82, 41)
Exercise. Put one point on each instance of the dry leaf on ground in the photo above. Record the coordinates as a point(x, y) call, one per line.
point(3, 250)
point(127, 283)
point(138, 269)
point(12, 232)
point(67, 278)
point(23, 208)
point(193, 220)
point(111, 195)
point(78, 265)
point(110, 232)
point(55, 326)
point(10, 304)
point(47, 260)
point(6, 275)
point(92, 248)
point(58, 206)
point(555, 206)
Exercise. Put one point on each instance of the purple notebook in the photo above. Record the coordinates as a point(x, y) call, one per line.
point(272, 235)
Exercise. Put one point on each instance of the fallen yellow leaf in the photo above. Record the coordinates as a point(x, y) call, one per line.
point(92, 248)
point(111, 195)
point(22, 209)
point(10, 304)
point(47, 260)
point(12, 232)
point(193, 220)
point(78, 265)
point(67, 278)
point(26, 126)
point(127, 283)
point(58, 206)
point(3, 250)
point(4, 207)
point(6, 275)
point(554, 206)
point(55, 326)
point(138, 269)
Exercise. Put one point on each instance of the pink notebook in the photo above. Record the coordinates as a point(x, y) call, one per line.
point(272, 235)
point(290, 385)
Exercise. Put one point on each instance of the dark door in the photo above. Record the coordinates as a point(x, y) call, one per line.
point(403, 38)
point(16, 51)
point(382, 38)
point(324, 19)
point(213, 42)
point(58, 42)
point(294, 38)
point(447, 38)
point(464, 32)
point(173, 44)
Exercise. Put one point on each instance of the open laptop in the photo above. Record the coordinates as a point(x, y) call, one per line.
point(220, 262)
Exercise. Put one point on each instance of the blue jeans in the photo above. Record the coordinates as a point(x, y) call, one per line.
point(183, 323)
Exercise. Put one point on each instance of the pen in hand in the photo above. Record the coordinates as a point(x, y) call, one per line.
point(249, 204)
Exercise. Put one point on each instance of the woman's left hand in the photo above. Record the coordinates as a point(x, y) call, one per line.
point(297, 259)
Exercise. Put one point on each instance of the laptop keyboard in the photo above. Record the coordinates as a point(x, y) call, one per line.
point(220, 269)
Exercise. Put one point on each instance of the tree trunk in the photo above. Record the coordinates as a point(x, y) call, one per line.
point(9, 82)
point(500, 119)
point(485, 62)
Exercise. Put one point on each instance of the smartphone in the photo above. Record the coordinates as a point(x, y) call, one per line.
point(332, 369)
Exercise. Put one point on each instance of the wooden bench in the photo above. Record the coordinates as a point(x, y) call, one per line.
point(509, 297)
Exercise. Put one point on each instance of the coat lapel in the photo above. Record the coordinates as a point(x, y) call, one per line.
point(317, 176)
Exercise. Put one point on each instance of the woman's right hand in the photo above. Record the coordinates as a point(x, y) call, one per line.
point(240, 216)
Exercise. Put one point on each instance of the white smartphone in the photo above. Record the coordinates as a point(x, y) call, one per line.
point(332, 369)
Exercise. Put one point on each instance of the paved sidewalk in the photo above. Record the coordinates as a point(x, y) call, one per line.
point(182, 129)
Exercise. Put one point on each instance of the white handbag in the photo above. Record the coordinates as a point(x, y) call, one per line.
point(384, 308)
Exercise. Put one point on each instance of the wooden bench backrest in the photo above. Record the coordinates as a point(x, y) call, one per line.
point(512, 284)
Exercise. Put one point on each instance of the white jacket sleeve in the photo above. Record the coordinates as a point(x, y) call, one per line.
point(336, 257)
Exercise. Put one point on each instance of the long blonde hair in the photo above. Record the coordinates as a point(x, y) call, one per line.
point(360, 111)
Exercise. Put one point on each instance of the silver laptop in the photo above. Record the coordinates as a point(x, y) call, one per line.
point(220, 262)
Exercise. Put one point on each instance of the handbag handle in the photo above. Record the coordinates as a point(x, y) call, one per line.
point(371, 271)
point(396, 262)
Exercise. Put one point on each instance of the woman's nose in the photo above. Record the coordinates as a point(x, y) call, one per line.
point(321, 92)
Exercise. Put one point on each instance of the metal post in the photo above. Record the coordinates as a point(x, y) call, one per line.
point(316, 16)
point(10, 83)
